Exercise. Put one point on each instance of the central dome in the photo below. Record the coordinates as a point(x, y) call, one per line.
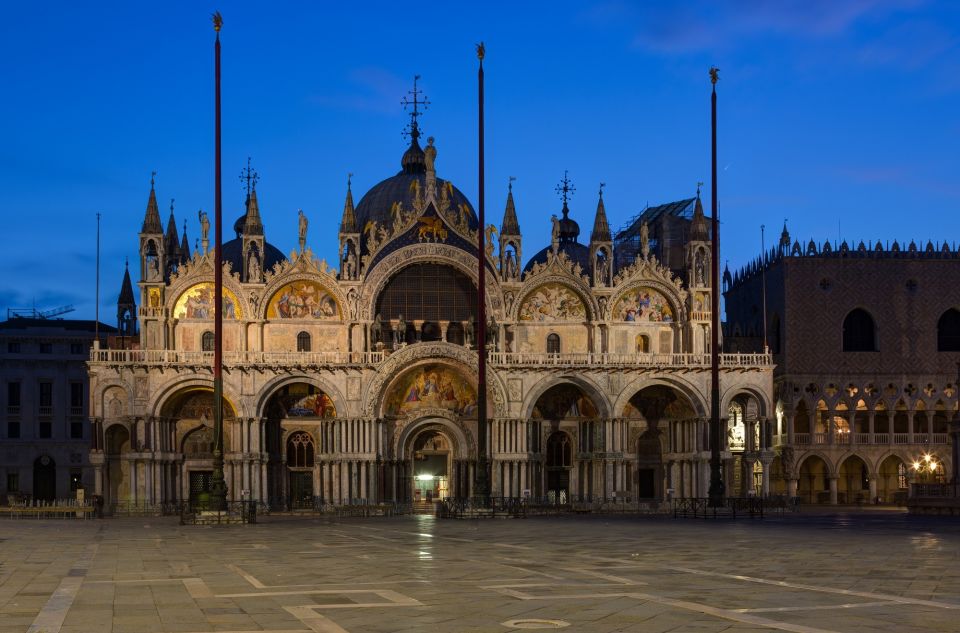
point(377, 203)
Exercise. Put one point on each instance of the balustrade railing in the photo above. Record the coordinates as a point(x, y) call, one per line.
point(867, 439)
point(582, 359)
point(901, 438)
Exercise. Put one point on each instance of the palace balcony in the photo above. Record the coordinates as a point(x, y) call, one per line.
point(241, 359)
point(863, 439)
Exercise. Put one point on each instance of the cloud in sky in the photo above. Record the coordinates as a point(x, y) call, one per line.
point(374, 90)
point(694, 27)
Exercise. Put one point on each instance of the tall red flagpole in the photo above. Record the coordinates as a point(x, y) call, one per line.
point(481, 486)
point(716, 492)
point(218, 487)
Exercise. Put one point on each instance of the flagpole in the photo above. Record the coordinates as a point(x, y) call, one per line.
point(716, 475)
point(96, 308)
point(481, 480)
point(218, 485)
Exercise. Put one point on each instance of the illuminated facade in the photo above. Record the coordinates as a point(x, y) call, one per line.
point(357, 382)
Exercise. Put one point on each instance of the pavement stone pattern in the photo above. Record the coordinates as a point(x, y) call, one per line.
point(842, 572)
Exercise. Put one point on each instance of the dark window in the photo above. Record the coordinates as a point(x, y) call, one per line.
point(206, 342)
point(948, 331)
point(859, 332)
point(553, 344)
point(428, 292)
point(13, 482)
point(13, 347)
point(13, 397)
point(76, 430)
point(303, 342)
point(78, 349)
point(76, 480)
point(46, 398)
point(46, 348)
point(76, 398)
point(45, 430)
point(558, 450)
point(13, 430)
point(775, 335)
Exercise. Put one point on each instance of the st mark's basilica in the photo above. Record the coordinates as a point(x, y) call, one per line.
point(356, 382)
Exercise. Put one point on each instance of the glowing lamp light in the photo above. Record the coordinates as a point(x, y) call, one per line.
point(425, 477)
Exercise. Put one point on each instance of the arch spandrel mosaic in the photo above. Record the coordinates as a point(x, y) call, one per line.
point(196, 405)
point(643, 304)
point(432, 386)
point(562, 402)
point(301, 400)
point(197, 303)
point(303, 300)
point(552, 302)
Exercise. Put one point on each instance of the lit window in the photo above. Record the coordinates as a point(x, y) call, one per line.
point(206, 342)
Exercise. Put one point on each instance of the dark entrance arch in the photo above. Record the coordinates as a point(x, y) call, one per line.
point(649, 465)
point(44, 478)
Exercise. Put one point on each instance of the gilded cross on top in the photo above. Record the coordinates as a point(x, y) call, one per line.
point(565, 189)
point(250, 175)
point(413, 130)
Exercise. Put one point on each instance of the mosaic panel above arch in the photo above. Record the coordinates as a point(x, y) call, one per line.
point(643, 304)
point(197, 302)
point(303, 300)
point(552, 302)
point(562, 402)
point(301, 400)
point(431, 386)
point(196, 405)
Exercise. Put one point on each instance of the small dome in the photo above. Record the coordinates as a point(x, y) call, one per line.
point(577, 252)
point(232, 252)
point(569, 229)
point(377, 203)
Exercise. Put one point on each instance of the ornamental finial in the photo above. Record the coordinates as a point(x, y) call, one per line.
point(217, 21)
point(714, 75)
point(481, 51)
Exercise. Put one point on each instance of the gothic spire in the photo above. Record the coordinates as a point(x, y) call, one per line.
point(601, 229)
point(785, 235)
point(151, 219)
point(348, 222)
point(252, 225)
point(510, 226)
point(126, 289)
point(698, 226)
point(171, 239)
point(184, 245)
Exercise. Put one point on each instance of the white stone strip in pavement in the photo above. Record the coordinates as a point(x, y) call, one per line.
point(820, 607)
point(841, 592)
point(54, 612)
point(686, 605)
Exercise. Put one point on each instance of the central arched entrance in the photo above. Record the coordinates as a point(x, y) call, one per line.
point(432, 466)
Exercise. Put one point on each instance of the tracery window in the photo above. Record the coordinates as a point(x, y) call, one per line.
point(428, 292)
point(553, 344)
point(199, 443)
point(303, 342)
point(859, 332)
point(206, 342)
point(300, 450)
point(948, 331)
point(901, 476)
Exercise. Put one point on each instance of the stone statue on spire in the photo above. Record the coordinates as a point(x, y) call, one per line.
point(302, 228)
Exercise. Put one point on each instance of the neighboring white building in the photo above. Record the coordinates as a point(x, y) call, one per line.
point(45, 434)
point(359, 382)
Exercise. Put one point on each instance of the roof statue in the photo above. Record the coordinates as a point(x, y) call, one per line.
point(302, 230)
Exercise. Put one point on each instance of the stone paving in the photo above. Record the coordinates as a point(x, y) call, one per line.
point(843, 572)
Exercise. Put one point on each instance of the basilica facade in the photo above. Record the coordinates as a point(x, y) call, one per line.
point(357, 382)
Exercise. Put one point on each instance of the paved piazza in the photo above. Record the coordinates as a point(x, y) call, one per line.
point(804, 573)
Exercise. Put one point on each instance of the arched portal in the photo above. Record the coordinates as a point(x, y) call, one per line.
point(186, 421)
point(853, 483)
point(432, 466)
point(814, 485)
point(561, 413)
point(892, 480)
point(665, 416)
point(44, 478)
point(290, 473)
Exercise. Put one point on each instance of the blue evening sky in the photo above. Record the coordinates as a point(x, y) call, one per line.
point(841, 115)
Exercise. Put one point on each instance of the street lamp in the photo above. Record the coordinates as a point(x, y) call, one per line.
point(927, 468)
